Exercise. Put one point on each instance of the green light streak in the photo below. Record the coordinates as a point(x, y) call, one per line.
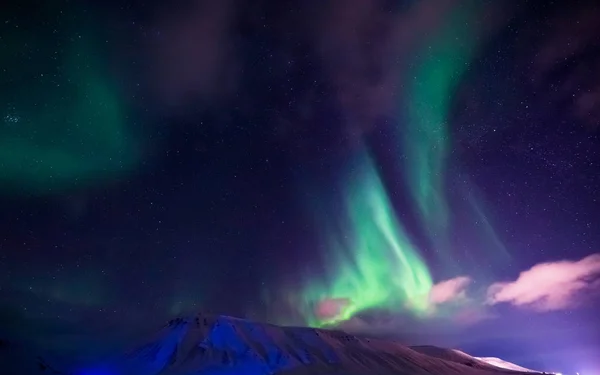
point(439, 66)
point(376, 264)
point(442, 62)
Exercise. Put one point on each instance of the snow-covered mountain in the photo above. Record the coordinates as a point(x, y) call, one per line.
point(484, 363)
point(206, 344)
point(503, 364)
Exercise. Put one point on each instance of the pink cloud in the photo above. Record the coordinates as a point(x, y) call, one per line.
point(448, 300)
point(331, 308)
point(549, 286)
point(449, 290)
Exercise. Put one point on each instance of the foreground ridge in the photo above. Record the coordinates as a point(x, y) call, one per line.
point(214, 344)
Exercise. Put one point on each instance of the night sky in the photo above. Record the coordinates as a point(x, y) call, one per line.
point(425, 170)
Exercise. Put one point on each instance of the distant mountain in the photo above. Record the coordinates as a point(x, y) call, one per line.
point(208, 344)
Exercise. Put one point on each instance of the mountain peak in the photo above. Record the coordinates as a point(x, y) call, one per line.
point(210, 343)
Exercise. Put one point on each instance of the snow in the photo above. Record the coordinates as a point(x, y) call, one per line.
point(503, 364)
point(209, 345)
point(485, 363)
point(206, 345)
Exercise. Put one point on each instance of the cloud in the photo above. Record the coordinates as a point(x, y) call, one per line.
point(449, 290)
point(565, 46)
point(545, 287)
point(549, 286)
point(194, 53)
point(331, 308)
point(449, 300)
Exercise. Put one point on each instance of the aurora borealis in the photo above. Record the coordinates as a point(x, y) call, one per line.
point(402, 168)
point(438, 67)
point(64, 122)
point(375, 263)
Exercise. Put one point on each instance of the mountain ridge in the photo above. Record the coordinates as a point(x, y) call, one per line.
point(204, 344)
point(220, 344)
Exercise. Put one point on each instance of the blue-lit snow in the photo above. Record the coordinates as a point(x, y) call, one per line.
point(223, 345)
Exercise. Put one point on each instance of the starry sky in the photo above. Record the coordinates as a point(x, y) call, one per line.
point(424, 170)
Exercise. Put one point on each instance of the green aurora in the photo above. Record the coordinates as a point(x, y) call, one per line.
point(439, 66)
point(442, 62)
point(376, 263)
point(63, 124)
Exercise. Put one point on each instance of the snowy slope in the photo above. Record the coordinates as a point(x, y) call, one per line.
point(206, 344)
point(503, 364)
point(484, 363)
point(453, 355)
